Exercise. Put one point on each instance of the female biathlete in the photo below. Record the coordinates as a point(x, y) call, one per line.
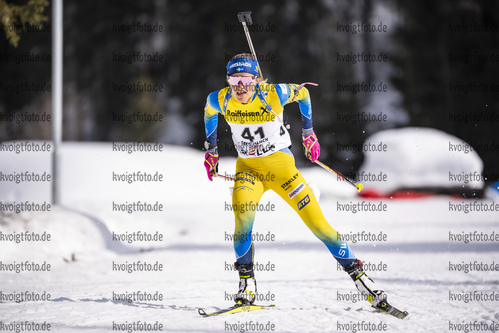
point(253, 109)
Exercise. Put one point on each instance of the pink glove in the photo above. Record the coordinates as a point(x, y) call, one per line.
point(312, 147)
point(211, 164)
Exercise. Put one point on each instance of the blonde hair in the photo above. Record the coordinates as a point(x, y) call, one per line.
point(242, 55)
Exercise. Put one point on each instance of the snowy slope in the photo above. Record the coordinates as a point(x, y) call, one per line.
point(421, 241)
point(420, 157)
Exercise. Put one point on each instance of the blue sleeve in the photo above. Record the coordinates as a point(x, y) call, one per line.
point(283, 92)
point(305, 105)
point(287, 95)
point(211, 111)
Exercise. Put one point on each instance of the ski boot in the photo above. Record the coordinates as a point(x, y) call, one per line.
point(365, 285)
point(247, 284)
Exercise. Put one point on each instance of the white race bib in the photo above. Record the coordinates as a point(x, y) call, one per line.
point(257, 140)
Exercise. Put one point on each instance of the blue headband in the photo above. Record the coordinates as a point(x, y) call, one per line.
point(242, 65)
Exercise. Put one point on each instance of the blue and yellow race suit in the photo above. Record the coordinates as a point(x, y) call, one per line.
point(262, 142)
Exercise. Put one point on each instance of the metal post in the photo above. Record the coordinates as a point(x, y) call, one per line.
point(56, 95)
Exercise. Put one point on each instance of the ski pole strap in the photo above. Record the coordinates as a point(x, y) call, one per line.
point(301, 86)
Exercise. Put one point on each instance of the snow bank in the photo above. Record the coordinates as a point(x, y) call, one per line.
point(420, 158)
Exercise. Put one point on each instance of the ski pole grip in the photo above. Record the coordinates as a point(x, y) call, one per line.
point(245, 17)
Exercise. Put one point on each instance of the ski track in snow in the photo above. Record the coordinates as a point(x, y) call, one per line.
point(305, 284)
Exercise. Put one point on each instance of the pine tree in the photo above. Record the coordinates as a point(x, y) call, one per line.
point(15, 17)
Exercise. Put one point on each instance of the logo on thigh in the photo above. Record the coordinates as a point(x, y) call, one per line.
point(245, 177)
point(303, 202)
point(287, 185)
point(243, 187)
point(296, 190)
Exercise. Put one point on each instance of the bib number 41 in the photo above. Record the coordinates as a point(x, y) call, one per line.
point(246, 134)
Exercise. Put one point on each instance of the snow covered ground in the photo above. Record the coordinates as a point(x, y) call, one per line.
point(422, 257)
